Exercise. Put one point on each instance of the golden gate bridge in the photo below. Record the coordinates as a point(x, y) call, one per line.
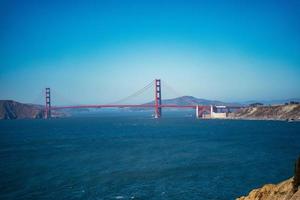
point(157, 106)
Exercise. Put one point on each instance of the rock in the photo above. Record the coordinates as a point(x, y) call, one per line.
point(279, 112)
point(14, 110)
point(296, 181)
point(281, 191)
point(296, 196)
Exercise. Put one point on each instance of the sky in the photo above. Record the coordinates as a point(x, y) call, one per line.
point(101, 51)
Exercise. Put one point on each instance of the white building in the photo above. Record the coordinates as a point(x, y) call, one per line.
point(215, 115)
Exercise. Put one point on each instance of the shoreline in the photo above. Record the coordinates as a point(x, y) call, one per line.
point(287, 190)
point(252, 119)
point(263, 119)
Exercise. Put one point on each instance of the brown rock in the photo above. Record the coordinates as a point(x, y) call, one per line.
point(281, 191)
point(279, 112)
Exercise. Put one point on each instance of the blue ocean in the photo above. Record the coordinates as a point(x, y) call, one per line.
point(137, 157)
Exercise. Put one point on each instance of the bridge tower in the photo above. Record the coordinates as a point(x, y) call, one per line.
point(48, 103)
point(157, 98)
point(197, 112)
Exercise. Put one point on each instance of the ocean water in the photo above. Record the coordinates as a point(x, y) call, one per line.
point(136, 157)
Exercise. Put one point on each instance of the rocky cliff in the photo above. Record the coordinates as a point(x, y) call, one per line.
point(286, 190)
point(281, 191)
point(279, 112)
point(14, 110)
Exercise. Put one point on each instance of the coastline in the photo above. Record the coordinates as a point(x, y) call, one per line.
point(288, 112)
point(261, 119)
point(285, 190)
point(281, 191)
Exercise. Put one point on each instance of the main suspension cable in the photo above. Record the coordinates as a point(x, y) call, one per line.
point(165, 84)
point(135, 93)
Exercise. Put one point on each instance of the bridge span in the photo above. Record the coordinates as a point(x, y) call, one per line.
point(157, 106)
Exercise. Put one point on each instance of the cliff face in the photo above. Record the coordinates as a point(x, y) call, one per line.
point(281, 191)
point(14, 110)
point(286, 190)
point(281, 112)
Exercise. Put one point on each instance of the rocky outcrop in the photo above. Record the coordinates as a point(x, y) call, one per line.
point(281, 191)
point(14, 110)
point(286, 190)
point(10, 109)
point(279, 112)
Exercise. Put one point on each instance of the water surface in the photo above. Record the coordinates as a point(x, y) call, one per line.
point(136, 157)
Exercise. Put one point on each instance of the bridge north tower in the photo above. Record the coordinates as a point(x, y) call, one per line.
point(157, 98)
point(48, 103)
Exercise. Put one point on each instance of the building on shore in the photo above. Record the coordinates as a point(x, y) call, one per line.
point(216, 112)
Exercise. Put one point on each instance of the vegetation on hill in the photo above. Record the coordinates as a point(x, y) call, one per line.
point(279, 112)
point(14, 110)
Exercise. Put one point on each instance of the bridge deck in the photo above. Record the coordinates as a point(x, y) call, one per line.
point(125, 106)
point(137, 106)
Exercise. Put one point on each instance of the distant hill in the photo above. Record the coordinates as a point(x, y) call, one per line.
point(273, 102)
point(277, 112)
point(10, 109)
point(190, 100)
point(14, 110)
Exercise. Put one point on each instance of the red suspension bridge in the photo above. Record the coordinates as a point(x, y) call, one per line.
point(157, 106)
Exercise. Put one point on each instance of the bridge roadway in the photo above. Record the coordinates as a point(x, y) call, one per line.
point(127, 106)
point(139, 106)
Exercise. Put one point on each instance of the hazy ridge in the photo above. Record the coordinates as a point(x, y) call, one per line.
point(10, 109)
point(275, 112)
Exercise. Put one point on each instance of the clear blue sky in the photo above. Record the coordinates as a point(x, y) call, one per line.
point(100, 51)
